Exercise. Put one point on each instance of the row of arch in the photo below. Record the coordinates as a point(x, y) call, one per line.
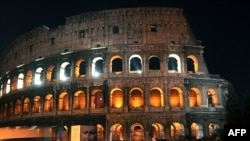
point(118, 132)
point(116, 99)
point(176, 131)
point(65, 71)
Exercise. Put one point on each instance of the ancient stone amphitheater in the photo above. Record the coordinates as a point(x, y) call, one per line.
point(134, 73)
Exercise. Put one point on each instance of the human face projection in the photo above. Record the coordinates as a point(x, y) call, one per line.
point(88, 133)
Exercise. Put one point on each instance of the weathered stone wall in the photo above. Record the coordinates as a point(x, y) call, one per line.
point(152, 25)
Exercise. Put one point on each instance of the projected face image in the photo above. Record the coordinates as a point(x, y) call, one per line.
point(137, 136)
point(88, 133)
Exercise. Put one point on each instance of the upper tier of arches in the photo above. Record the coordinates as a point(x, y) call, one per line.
point(109, 28)
point(68, 68)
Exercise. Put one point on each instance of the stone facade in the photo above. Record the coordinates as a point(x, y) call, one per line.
point(132, 71)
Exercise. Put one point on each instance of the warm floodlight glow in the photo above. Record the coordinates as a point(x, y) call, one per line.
point(7, 133)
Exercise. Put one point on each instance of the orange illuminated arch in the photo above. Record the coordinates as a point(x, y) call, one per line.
point(80, 68)
point(26, 105)
point(176, 97)
point(18, 107)
point(51, 73)
point(48, 103)
point(211, 93)
point(97, 99)
point(28, 80)
point(197, 130)
point(63, 101)
point(194, 97)
point(177, 130)
point(116, 132)
point(13, 84)
point(116, 98)
point(136, 98)
point(36, 104)
point(192, 64)
point(156, 97)
point(157, 131)
point(80, 100)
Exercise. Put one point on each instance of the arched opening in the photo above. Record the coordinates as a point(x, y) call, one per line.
point(116, 133)
point(13, 83)
point(80, 100)
point(63, 101)
point(1, 90)
point(176, 97)
point(194, 97)
point(196, 130)
point(137, 132)
point(100, 132)
point(36, 104)
point(136, 98)
point(156, 98)
point(157, 132)
point(97, 99)
point(135, 64)
point(26, 105)
point(5, 110)
point(174, 63)
point(20, 81)
point(97, 66)
point(116, 65)
point(51, 73)
point(214, 130)
point(212, 98)
point(48, 103)
point(80, 68)
point(116, 98)
point(65, 71)
point(192, 64)
point(10, 109)
point(18, 107)
point(177, 131)
point(154, 63)
point(39, 76)
point(28, 80)
point(8, 86)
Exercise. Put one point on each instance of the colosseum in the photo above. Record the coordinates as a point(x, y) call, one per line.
point(135, 74)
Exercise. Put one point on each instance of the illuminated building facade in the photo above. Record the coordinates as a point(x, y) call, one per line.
point(135, 73)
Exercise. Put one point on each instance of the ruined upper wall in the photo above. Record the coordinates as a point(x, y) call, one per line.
point(108, 28)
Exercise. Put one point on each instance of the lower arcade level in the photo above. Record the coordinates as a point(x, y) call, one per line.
point(137, 126)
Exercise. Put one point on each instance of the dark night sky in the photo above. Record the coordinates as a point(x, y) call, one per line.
point(223, 26)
